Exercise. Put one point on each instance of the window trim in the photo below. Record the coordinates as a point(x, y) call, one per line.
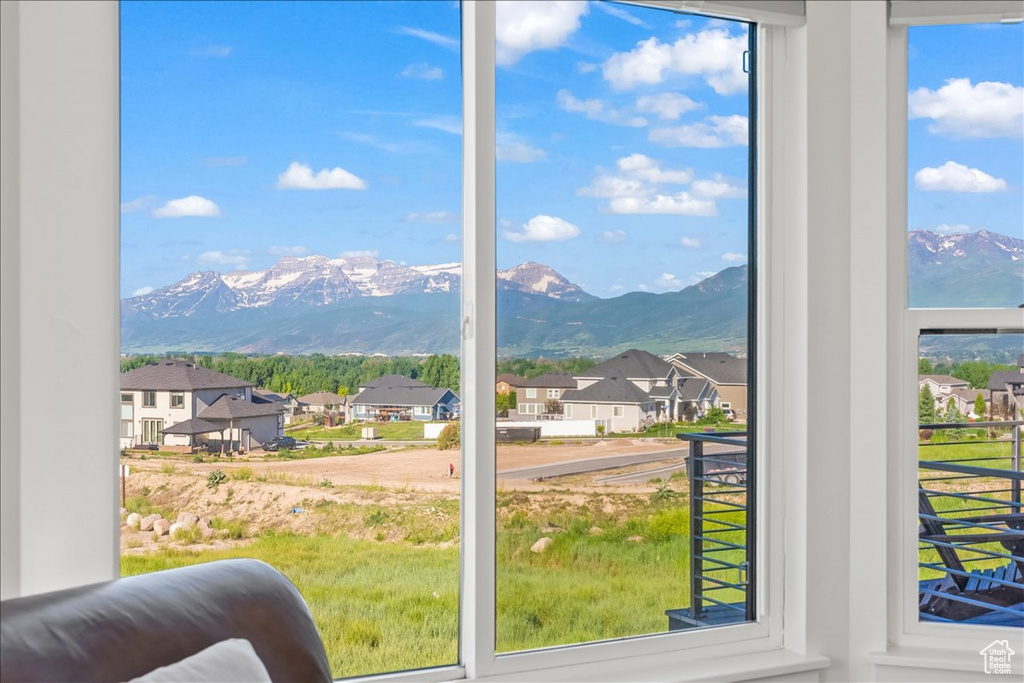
point(913, 642)
point(177, 394)
point(145, 399)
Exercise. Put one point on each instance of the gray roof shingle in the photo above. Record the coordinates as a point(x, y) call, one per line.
point(607, 390)
point(323, 398)
point(510, 379)
point(193, 427)
point(999, 380)
point(232, 408)
point(402, 396)
point(176, 375)
point(631, 364)
point(719, 367)
point(943, 379)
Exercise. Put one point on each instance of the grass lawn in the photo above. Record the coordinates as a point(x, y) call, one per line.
point(389, 431)
point(669, 431)
point(386, 606)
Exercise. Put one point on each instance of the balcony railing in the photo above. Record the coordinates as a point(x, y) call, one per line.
point(971, 550)
point(721, 548)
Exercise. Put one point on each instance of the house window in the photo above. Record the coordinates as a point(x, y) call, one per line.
point(965, 262)
point(654, 172)
point(149, 399)
point(127, 415)
point(567, 411)
point(152, 432)
point(177, 399)
point(726, 405)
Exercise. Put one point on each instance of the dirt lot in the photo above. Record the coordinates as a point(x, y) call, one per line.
point(274, 495)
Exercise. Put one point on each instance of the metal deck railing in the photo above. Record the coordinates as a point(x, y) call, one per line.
point(721, 552)
point(971, 551)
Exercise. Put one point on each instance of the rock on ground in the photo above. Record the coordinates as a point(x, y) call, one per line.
point(541, 545)
point(161, 526)
point(147, 522)
point(134, 520)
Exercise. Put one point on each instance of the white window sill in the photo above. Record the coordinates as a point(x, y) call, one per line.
point(928, 658)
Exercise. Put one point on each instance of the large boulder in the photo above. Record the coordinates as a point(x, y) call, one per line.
point(174, 528)
point(161, 526)
point(134, 520)
point(147, 522)
point(188, 519)
point(541, 545)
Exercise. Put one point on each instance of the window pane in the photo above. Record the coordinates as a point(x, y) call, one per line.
point(966, 164)
point(291, 274)
point(970, 402)
point(623, 239)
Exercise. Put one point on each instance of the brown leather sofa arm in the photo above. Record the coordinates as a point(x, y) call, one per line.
point(121, 629)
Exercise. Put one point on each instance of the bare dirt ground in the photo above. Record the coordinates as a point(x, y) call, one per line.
point(276, 495)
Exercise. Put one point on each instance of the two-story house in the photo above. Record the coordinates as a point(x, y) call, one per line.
point(180, 405)
point(535, 396)
point(395, 397)
point(726, 372)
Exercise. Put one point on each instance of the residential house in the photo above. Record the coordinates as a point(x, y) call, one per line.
point(506, 383)
point(697, 395)
point(726, 372)
point(395, 398)
point(1007, 392)
point(326, 401)
point(654, 395)
point(287, 401)
point(940, 384)
point(534, 396)
point(964, 400)
point(179, 405)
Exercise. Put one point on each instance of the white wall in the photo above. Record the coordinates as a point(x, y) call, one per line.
point(60, 294)
point(556, 428)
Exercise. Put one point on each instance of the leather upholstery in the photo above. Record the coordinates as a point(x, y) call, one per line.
point(121, 629)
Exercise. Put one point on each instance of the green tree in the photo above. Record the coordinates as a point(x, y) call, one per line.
point(953, 415)
point(926, 405)
point(979, 406)
point(924, 367)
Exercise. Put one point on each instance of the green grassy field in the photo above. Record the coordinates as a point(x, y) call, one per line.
point(389, 431)
point(386, 606)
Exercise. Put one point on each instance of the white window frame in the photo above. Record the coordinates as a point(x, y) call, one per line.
point(552, 393)
point(567, 411)
point(531, 393)
point(177, 394)
point(912, 642)
point(619, 411)
point(145, 396)
point(70, 51)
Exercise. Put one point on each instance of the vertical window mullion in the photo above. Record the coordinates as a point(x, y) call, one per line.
point(477, 601)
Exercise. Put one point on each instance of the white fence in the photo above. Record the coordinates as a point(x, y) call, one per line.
point(549, 429)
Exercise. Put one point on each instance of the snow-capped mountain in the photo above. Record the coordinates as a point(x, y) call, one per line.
point(965, 269)
point(321, 281)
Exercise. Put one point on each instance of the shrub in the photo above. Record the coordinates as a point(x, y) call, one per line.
point(450, 437)
point(215, 479)
point(600, 430)
point(168, 468)
point(663, 493)
point(197, 458)
point(232, 529)
point(242, 474)
point(713, 416)
point(188, 535)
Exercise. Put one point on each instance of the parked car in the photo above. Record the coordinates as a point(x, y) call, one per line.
point(279, 442)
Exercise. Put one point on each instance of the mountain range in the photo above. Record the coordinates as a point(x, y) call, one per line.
point(367, 305)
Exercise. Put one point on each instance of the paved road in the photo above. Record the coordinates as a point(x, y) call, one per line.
point(663, 472)
point(611, 462)
point(607, 462)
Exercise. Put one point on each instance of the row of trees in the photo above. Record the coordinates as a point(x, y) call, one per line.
point(929, 413)
point(974, 372)
point(301, 375)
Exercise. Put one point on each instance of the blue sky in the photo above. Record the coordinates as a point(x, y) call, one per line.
point(252, 131)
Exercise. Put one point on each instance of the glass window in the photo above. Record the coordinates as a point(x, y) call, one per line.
point(966, 163)
point(966, 257)
point(568, 411)
point(624, 197)
point(148, 399)
point(552, 393)
point(531, 393)
point(291, 211)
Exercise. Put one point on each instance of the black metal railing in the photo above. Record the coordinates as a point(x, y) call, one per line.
point(722, 567)
point(971, 550)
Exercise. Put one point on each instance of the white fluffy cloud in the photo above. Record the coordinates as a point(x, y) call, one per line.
point(300, 177)
point(358, 253)
point(142, 291)
point(636, 189)
point(958, 229)
point(510, 147)
point(448, 124)
point(234, 258)
point(961, 110)
point(668, 281)
point(614, 236)
point(543, 228)
point(669, 106)
point(192, 205)
point(452, 238)
point(734, 257)
point(620, 13)
point(713, 54)
point(719, 131)
point(288, 251)
point(135, 204)
point(430, 37)
point(524, 27)
point(597, 110)
point(718, 187)
point(423, 71)
point(690, 242)
point(432, 217)
point(954, 177)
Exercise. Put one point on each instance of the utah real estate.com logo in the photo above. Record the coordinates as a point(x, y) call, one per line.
point(997, 657)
